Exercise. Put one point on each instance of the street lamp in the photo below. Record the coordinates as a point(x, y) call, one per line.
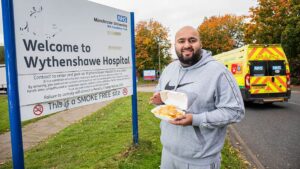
point(158, 40)
point(159, 60)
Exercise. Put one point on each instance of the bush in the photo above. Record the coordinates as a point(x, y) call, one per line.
point(295, 80)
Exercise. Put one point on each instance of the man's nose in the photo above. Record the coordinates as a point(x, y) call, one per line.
point(187, 44)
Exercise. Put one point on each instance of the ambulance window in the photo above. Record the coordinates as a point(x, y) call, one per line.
point(258, 68)
point(276, 68)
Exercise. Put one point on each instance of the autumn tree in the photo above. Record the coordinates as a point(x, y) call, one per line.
point(277, 21)
point(221, 33)
point(152, 45)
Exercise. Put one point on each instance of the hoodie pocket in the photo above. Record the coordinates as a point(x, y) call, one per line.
point(181, 141)
point(199, 135)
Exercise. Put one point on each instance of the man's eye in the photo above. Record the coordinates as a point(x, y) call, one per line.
point(192, 40)
point(181, 41)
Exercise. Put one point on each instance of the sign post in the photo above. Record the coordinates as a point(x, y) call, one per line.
point(134, 95)
point(12, 84)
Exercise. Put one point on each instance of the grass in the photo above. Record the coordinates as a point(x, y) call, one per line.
point(4, 120)
point(231, 158)
point(104, 140)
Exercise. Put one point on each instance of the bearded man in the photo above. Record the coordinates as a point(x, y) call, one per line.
point(195, 140)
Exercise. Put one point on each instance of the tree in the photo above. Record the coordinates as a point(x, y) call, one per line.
point(277, 21)
point(290, 40)
point(151, 42)
point(268, 20)
point(221, 33)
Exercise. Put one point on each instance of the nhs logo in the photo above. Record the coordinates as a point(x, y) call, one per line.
point(122, 18)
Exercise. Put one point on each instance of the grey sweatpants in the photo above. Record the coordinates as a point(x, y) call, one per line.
point(168, 162)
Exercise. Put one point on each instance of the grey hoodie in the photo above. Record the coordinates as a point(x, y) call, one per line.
point(215, 101)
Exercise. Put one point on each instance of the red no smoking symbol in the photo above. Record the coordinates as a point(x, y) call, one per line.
point(125, 91)
point(38, 109)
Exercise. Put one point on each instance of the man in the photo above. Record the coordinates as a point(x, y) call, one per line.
point(196, 139)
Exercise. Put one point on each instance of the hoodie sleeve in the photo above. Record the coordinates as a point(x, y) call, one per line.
point(228, 102)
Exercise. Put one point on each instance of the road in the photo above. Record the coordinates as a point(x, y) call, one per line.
point(272, 132)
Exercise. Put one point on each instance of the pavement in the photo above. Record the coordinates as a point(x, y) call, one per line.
point(239, 143)
point(146, 88)
point(295, 89)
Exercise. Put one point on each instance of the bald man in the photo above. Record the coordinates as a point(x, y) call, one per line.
point(195, 140)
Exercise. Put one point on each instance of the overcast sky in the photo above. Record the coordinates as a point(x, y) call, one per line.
point(175, 14)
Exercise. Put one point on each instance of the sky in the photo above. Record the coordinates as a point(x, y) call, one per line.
point(175, 14)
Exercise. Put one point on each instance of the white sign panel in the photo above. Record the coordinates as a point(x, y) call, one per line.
point(149, 74)
point(70, 53)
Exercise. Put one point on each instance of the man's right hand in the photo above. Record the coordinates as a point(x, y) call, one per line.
point(156, 99)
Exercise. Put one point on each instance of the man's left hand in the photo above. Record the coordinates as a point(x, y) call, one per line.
point(184, 120)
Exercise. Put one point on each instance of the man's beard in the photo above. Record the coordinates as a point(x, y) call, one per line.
point(191, 60)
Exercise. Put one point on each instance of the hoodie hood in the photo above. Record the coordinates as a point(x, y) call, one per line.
point(206, 57)
point(178, 71)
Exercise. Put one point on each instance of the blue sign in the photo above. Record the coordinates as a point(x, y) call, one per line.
point(122, 18)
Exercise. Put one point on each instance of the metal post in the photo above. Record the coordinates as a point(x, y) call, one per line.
point(135, 130)
point(12, 84)
point(159, 60)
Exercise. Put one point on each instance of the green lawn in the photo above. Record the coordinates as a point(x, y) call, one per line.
point(104, 140)
point(4, 120)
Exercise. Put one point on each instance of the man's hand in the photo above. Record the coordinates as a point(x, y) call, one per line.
point(156, 99)
point(184, 120)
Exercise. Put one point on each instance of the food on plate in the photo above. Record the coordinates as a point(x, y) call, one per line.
point(169, 111)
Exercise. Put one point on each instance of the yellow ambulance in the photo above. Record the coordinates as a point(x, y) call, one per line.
point(261, 71)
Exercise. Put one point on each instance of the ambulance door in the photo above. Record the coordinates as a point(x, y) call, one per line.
point(277, 72)
point(259, 79)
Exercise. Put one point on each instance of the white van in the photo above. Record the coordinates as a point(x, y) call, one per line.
point(3, 84)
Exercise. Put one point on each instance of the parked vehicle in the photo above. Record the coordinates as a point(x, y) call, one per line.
point(261, 71)
point(3, 84)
